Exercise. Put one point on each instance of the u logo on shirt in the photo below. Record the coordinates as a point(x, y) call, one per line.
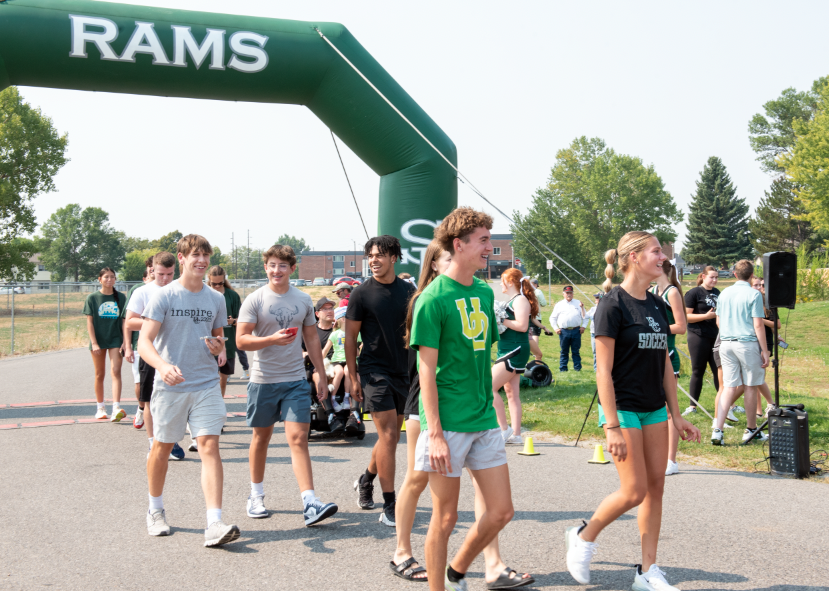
point(474, 324)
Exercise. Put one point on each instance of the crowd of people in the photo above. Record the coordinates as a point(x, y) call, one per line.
point(419, 352)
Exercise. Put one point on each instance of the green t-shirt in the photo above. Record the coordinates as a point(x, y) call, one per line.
point(337, 340)
point(233, 303)
point(106, 311)
point(458, 321)
point(135, 333)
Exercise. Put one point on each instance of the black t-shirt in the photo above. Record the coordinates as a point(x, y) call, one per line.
point(769, 335)
point(323, 335)
point(700, 300)
point(382, 310)
point(641, 330)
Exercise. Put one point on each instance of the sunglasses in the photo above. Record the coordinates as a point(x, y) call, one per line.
point(220, 284)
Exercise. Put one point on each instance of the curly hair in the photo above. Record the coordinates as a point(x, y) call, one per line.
point(460, 224)
point(386, 245)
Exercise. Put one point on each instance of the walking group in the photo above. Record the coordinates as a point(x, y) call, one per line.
point(415, 354)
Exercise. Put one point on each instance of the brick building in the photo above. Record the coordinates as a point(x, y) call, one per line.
point(330, 264)
point(501, 258)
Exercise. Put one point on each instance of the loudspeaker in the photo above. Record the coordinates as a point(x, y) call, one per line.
point(780, 274)
point(789, 442)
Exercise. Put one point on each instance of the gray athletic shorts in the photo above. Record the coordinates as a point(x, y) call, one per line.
point(135, 373)
point(741, 364)
point(477, 451)
point(205, 410)
point(285, 401)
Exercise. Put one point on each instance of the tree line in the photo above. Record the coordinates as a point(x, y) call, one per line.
point(595, 195)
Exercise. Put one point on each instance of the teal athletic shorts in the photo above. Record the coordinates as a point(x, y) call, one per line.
point(636, 420)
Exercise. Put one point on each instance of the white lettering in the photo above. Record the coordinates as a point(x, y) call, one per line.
point(239, 48)
point(145, 40)
point(653, 341)
point(101, 39)
point(214, 43)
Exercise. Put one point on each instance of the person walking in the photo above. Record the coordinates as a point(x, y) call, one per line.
point(217, 279)
point(700, 306)
point(536, 324)
point(131, 343)
point(453, 330)
point(635, 382)
point(377, 312)
point(269, 321)
point(104, 321)
point(180, 322)
point(513, 352)
point(743, 350)
point(670, 290)
point(568, 322)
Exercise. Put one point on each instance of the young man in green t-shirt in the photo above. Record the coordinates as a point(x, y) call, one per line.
point(453, 331)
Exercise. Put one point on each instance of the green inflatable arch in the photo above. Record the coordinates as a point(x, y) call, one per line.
point(107, 47)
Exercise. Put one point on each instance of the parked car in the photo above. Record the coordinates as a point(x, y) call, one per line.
point(300, 283)
point(349, 280)
point(724, 273)
point(319, 281)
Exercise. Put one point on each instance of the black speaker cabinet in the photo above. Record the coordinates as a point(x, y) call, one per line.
point(780, 274)
point(789, 442)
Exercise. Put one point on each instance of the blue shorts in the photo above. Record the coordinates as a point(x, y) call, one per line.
point(636, 420)
point(286, 401)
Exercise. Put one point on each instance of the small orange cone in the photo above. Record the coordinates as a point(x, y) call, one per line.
point(366, 416)
point(529, 448)
point(403, 427)
point(598, 456)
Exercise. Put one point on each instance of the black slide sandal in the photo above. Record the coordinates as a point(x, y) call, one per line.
point(404, 570)
point(505, 581)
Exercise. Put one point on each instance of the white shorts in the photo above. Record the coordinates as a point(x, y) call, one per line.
point(741, 363)
point(413, 418)
point(205, 410)
point(477, 451)
point(135, 373)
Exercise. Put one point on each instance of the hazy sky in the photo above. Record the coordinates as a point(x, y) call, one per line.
point(511, 83)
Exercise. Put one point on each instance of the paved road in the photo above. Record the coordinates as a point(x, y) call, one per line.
point(73, 499)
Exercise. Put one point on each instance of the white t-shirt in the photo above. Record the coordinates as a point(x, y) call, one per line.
point(141, 297)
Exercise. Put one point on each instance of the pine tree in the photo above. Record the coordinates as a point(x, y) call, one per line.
point(718, 220)
point(775, 225)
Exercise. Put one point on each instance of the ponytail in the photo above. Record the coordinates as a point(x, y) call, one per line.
point(670, 270)
point(610, 271)
point(705, 272)
point(529, 292)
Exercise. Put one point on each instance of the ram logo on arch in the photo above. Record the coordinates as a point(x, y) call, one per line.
point(102, 32)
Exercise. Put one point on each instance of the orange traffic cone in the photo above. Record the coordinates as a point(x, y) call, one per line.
point(529, 448)
point(598, 456)
point(366, 416)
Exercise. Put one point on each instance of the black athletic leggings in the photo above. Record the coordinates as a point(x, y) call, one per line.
point(702, 354)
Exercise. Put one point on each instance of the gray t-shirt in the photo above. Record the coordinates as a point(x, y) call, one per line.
point(185, 317)
point(272, 312)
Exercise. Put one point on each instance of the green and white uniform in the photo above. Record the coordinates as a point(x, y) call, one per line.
point(514, 346)
point(671, 337)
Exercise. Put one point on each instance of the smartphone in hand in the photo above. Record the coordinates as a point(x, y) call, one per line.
point(292, 330)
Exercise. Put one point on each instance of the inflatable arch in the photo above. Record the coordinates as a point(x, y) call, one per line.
point(108, 47)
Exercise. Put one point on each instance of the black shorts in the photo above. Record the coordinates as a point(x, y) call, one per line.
point(535, 331)
point(147, 376)
point(413, 399)
point(381, 392)
point(229, 368)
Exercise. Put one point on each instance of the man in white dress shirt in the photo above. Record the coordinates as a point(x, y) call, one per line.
point(568, 321)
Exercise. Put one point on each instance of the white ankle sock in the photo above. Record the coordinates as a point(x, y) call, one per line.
point(156, 502)
point(257, 489)
point(308, 497)
point(101, 405)
point(213, 515)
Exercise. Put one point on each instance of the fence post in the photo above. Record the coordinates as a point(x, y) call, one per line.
point(12, 348)
point(58, 315)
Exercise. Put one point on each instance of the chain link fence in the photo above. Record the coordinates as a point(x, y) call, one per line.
point(44, 316)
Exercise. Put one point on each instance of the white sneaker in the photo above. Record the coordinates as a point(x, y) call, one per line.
point(101, 413)
point(716, 436)
point(317, 511)
point(689, 410)
point(653, 580)
point(219, 533)
point(768, 408)
point(256, 507)
point(507, 434)
point(117, 415)
point(514, 440)
point(673, 468)
point(246, 374)
point(748, 433)
point(579, 554)
point(337, 406)
point(194, 445)
point(730, 416)
point(157, 523)
point(739, 410)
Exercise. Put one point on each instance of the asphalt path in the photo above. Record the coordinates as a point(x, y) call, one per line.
point(73, 500)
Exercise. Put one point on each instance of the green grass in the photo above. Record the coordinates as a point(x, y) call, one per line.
point(558, 411)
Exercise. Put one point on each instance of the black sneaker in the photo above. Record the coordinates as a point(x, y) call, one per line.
point(353, 424)
point(337, 425)
point(366, 491)
point(387, 516)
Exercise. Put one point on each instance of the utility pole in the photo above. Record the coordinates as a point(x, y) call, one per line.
point(233, 251)
point(247, 259)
